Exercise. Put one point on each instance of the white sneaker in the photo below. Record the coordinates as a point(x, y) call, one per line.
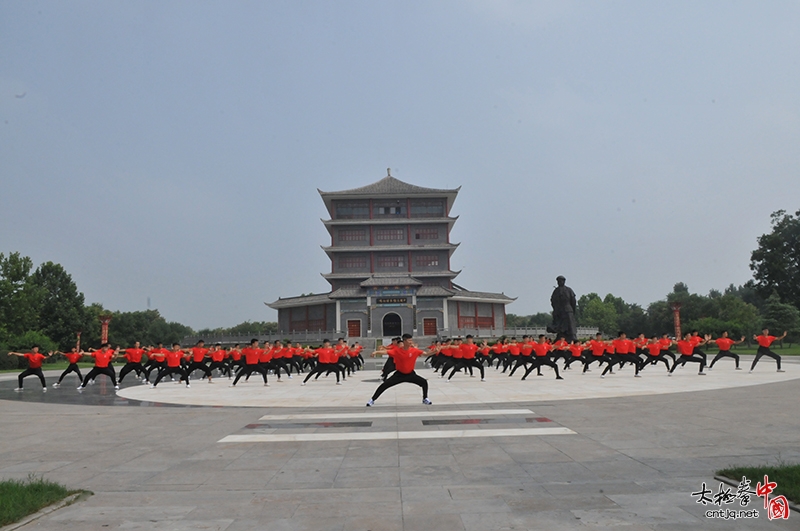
point(701, 373)
point(80, 388)
point(116, 388)
point(18, 389)
point(738, 368)
point(751, 371)
point(602, 376)
point(781, 370)
point(56, 385)
point(152, 386)
point(338, 383)
point(669, 374)
point(91, 382)
point(370, 403)
point(483, 379)
point(266, 384)
point(637, 375)
point(427, 402)
point(302, 383)
point(188, 386)
point(44, 389)
point(290, 376)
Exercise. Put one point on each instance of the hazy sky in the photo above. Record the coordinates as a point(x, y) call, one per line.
point(173, 150)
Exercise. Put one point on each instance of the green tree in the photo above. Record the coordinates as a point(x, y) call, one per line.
point(20, 298)
point(62, 312)
point(779, 316)
point(597, 312)
point(776, 262)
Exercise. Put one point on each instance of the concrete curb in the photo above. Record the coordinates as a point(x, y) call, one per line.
point(730, 482)
point(69, 500)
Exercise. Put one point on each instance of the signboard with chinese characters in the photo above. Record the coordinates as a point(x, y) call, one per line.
point(401, 292)
point(391, 300)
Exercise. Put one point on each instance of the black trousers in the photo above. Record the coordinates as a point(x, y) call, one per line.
point(573, 359)
point(153, 365)
point(761, 352)
point(201, 365)
point(247, 370)
point(31, 372)
point(467, 364)
point(694, 358)
point(168, 371)
point(588, 360)
point(221, 366)
point(131, 366)
point(388, 368)
point(653, 360)
point(522, 361)
point(538, 361)
point(724, 354)
point(73, 367)
point(108, 371)
point(322, 367)
point(398, 378)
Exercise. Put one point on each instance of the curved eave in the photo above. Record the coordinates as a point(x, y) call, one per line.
point(329, 223)
point(332, 250)
point(421, 274)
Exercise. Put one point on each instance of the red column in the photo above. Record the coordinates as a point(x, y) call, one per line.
point(676, 316)
point(104, 320)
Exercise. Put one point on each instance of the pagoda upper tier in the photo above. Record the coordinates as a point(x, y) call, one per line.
point(390, 227)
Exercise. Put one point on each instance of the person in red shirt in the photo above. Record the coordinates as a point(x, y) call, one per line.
point(541, 350)
point(597, 349)
point(499, 352)
point(35, 359)
point(455, 359)
point(252, 357)
point(699, 341)
point(357, 348)
point(666, 343)
point(561, 350)
point(173, 365)
point(405, 358)
point(468, 350)
point(155, 360)
point(655, 353)
point(388, 367)
point(72, 357)
point(102, 365)
point(198, 360)
point(525, 358)
point(764, 342)
point(686, 349)
point(218, 356)
point(235, 361)
point(327, 361)
point(134, 357)
point(343, 355)
point(724, 343)
point(576, 349)
point(624, 351)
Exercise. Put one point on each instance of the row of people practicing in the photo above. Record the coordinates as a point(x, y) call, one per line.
point(456, 355)
point(182, 362)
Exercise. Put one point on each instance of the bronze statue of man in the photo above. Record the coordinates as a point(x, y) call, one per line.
point(564, 304)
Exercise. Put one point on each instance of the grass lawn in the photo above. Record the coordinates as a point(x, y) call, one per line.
point(19, 498)
point(60, 366)
point(789, 350)
point(786, 476)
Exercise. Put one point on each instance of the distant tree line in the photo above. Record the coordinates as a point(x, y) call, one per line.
point(771, 299)
point(43, 306)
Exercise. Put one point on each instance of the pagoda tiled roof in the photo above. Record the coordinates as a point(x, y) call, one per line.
point(302, 300)
point(393, 280)
point(391, 186)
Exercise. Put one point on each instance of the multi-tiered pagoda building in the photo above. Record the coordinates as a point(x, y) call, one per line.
point(390, 268)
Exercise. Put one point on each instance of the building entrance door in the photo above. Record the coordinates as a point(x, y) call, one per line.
point(354, 328)
point(392, 325)
point(429, 327)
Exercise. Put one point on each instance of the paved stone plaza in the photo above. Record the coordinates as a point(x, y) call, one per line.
point(582, 453)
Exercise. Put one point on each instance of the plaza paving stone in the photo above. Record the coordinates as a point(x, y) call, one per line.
point(636, 450)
